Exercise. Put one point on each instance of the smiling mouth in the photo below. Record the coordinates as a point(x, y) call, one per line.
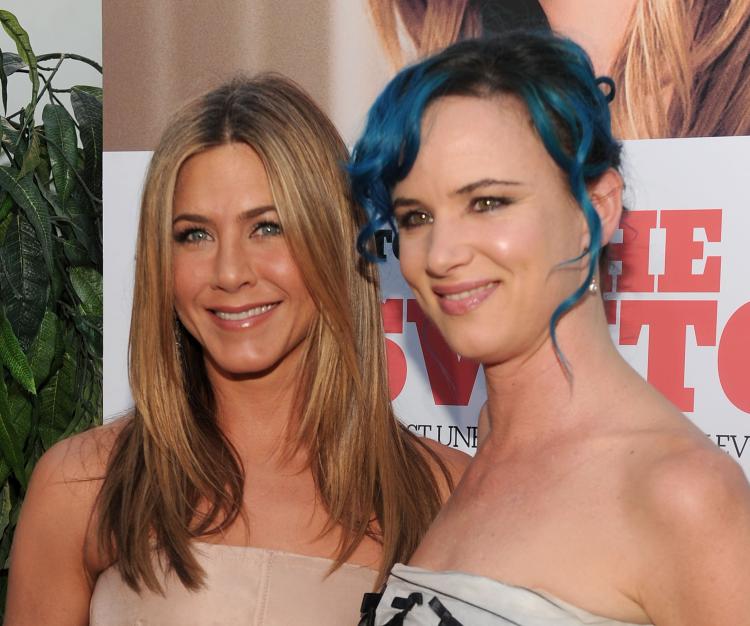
point(244, 315)
point(462, 295)
point(454, 302)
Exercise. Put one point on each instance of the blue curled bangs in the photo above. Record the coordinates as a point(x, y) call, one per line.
point(554, 79)
point(386, 152)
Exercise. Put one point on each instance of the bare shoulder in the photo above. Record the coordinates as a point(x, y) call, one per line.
point(693, 516)
point(691, 482)
point(77, 460)
point(50, 549)
point(455, 462)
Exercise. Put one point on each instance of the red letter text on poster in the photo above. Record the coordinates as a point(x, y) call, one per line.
point(633, 252)
point(667, 323)
point(451, 377)
point(734, 358)
point(681, 250)
point(393, 322)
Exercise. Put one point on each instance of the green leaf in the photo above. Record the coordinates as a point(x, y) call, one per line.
point(4, 470)
point(87, 283)
point(23, 279)
point(79, 210)
point(12, 63)
point(13, 357)
point(87, 106)
point(4, 82)
point(5, 508)
point(20, 411)
point(11, 444)
point(75, 252)
point(60, 132)
point(32, 157)
point(10, 134)
point(23, 45)
point(27, 196)
point(3, 229)
point(57, 402)
point(5, 206)
point(42, 351)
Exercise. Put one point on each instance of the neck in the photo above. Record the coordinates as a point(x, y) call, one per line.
point(531, 401)
point(257, 412)
point(597, 25)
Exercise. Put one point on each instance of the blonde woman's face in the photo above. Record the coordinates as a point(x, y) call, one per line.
point(485, 218)
point(237, 289)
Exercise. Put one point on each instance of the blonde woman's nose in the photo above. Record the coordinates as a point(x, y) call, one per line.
point(233, 267)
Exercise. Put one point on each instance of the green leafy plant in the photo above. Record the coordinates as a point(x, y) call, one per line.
point(50, 269)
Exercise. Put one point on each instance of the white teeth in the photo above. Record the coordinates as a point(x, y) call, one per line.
point(469, 292)
point(243, 315)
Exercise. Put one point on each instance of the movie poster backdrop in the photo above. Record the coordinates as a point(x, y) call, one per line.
point(677, 294)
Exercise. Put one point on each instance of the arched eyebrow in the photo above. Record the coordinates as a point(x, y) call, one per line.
point(470, 188)
point(249, 214)
point(484, 182)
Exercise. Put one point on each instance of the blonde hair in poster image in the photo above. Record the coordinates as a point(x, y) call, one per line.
point(681, 68)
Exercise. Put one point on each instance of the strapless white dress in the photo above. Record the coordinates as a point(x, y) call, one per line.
point(418, 597)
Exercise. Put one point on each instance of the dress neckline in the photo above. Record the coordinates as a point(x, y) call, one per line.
point(401, 572)
point(240, 549)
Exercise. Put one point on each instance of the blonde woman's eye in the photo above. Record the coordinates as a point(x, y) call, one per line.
point(490, 203)
point(413, 219)
point(191, 235)
point(266, 229)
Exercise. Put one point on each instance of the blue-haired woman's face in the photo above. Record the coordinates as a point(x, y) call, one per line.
point(485, 219)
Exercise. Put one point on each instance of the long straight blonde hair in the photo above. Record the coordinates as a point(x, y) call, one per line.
point(171, 456)
point(682, 69)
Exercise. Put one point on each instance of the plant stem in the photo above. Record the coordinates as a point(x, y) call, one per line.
point(75, 57)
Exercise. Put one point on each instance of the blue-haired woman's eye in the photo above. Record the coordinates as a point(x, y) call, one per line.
point(489, 203)
point(266, 229)
point(413, 219)
point(191, 235)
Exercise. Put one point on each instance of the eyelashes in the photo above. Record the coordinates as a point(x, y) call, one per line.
point(413, 219)
point(267, 228)
point(191, 235)
point(198, 235)
point(490, 203)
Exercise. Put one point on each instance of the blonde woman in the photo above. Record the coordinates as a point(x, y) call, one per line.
point(680, 66)
point(260, 477)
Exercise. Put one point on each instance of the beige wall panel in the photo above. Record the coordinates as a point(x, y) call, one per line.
point(159, 53)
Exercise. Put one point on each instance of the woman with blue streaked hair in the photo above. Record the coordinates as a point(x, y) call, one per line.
point(591, 499)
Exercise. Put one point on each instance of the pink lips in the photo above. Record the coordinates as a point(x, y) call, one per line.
point(464, 297)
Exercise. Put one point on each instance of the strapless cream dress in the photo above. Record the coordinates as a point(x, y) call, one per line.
point(244, 585)
point(418, 597)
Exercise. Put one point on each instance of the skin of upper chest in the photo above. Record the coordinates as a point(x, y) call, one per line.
point(555, 521)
